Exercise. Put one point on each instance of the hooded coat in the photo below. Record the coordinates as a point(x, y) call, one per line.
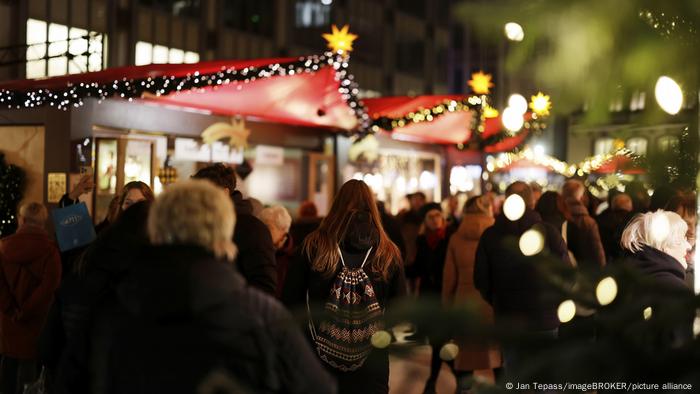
point(30, 274)
point(458, 286)
point(512, 282)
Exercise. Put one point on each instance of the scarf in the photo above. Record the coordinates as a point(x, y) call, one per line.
point(435, 237)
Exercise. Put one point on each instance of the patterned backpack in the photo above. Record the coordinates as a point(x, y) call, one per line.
point(351, 316)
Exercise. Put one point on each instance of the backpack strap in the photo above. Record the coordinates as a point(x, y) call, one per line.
point(363, 261)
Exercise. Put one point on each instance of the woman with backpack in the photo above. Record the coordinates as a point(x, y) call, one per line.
point(344, 276)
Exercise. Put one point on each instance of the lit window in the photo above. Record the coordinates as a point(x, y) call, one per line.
point(638, 145)
point(147, 53)
point(191, 57)
point(70, 50)
point(176, 56)
point(604, 145)
point(667, 143)
point(638, 101)
point(160, 54)
point(312, 14)
point(144, 53)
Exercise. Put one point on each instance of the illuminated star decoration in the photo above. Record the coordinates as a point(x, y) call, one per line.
point(236, 132)
point(340, 40)
point(540, 104)
point(480, 83)
point(490, 112)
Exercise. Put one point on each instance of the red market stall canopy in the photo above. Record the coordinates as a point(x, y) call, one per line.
point(312, 91)
point(445, 119)
point(620, 164)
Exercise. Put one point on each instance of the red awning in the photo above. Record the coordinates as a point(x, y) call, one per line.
point(307, 99)
point(619, 164)
point(449, 128)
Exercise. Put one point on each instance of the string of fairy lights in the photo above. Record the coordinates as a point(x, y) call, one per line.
point(340, 45)
point(74, 95)
point(585, 167)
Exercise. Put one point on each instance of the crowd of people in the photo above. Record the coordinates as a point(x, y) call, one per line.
point(197, 290)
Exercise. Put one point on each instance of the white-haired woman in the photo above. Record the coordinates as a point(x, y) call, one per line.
point(657, 245)
point(278, 221)
point(185, 319)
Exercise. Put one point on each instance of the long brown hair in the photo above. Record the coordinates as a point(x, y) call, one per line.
point(321, 246)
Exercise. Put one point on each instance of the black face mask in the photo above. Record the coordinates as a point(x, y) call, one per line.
point(360, 234)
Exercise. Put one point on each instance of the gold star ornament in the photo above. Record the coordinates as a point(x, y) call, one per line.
point(340, 40)
point(480, 83)
point(540, 104)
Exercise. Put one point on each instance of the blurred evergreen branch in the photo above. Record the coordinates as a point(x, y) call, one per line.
point(593, 51)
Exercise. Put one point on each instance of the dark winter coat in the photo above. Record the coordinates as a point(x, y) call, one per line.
point(30, 272)
point(185, 322)
point(663, 293)
point(512, 283)
point(611, 224)
point(430, 264)
point(583, 237)
point(393, 229)
point(97, 274)
point(373, 376)
point(256, 253)
point(302, 227)
point(410, 222)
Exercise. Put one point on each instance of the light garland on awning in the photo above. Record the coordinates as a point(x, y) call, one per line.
point(506, 159)
point(585, 167)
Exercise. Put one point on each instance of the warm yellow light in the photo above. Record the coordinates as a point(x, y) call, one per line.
point(531, 242)
point(381, 339)
point(514, 31)
point(449, 351)
point(540, 104)
point(669, 95)
point(480, 83)
point(566, 311)
point(518, 103)
point(606, 291)
point(490, 112)
point(512, 120)
point(514, 207)
point(340, 40)
point(647, 313)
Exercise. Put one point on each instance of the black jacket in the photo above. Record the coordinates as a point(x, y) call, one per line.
point(373, 376)
point(665, 291)
point(429, 264)
point(611, 224)
point(183, 321)
point(512, 283)
point(101, 268)
point(256, 254)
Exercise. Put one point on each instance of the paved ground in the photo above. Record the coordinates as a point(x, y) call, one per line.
point(408, 374)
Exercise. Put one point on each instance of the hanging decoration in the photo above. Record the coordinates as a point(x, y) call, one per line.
point(167, 174)
point(540, 104)
point(11, 190)
point(480, 83)
point(340, 40)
